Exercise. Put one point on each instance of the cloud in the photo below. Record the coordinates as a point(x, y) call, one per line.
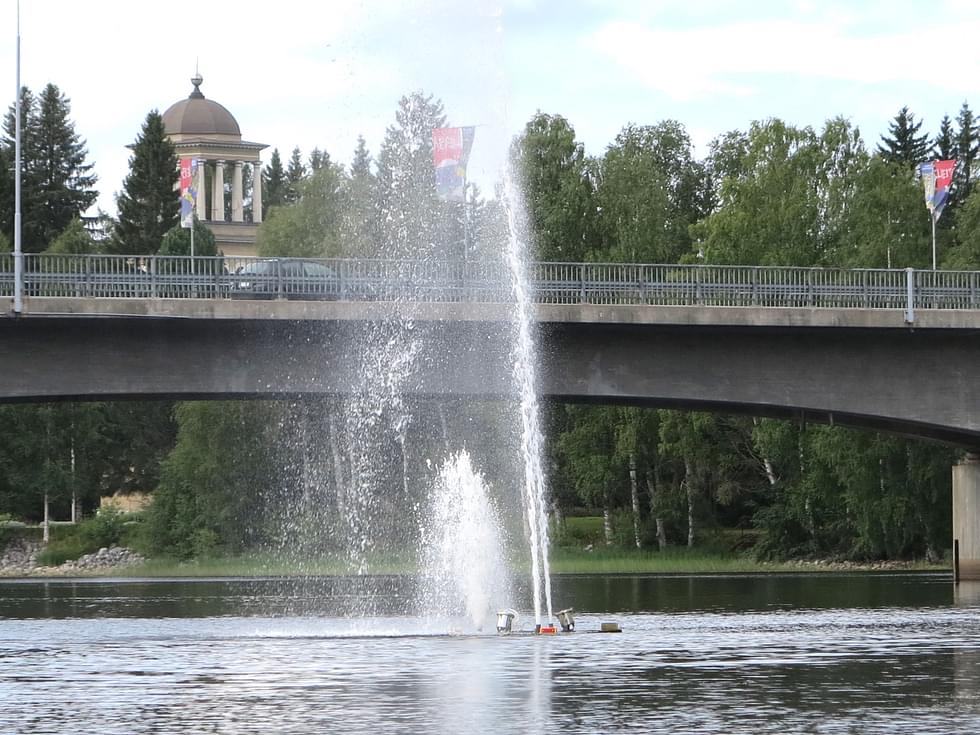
point(738, 58)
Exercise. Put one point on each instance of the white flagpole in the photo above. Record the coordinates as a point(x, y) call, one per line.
point(18, 252)
point(933, 218)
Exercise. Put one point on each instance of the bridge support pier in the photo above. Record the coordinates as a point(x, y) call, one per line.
point(966, 517)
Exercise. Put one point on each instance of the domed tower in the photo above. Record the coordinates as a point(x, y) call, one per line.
point(203, 130)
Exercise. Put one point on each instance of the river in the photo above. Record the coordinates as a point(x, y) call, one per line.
point(821, 653)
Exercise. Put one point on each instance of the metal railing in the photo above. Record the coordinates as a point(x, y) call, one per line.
point(180, 277)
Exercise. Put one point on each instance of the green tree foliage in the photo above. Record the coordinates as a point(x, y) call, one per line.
point(137, 436)
point(788, 200)
point(57, 182)
point(557, 182)
point(944, 144)
point(966, 151)
point(177, 240)
point(295, 173)
point(213, 483)
point(965, 255)
point(274, 184)
point(887, 224)
point(411, 218)
point(651, 190)
point(149, 204)
point(588, 450)
point(313, 226)
point(317, 159)
point(73, 240)
point(52, 448)
point(903, 144)
point(360, 214)
point(6, 192)
point(840, 492)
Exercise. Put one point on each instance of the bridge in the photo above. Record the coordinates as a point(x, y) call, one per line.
point(894, 350)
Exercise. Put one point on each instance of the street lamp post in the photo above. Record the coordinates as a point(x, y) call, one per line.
point(18, 252)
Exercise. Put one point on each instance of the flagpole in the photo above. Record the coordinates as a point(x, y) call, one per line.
point(18, 251)
point(931, 217)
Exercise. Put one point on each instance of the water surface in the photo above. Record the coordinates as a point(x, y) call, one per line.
point(786, 653)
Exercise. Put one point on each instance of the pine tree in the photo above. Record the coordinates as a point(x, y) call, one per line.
point(74, 240)
point(410, 214)
point(360, 215)
point(28, 156)
point(273, 184)
point(6, 193)
point(295, 173)
point(903, 144)
point(967, 149)
point(177, 240)
point(318, 158)
point(149, 204)
point(56, 181)
point(944, 146)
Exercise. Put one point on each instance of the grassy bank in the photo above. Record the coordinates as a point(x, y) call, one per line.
point(563, 561)
point(696, 561)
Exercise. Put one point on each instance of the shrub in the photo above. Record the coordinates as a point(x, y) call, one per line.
point(70, 542)
point(104, 529)
point(58, 551)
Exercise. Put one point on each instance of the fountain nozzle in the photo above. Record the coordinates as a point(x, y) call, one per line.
point(566, 618)
point(505, 620)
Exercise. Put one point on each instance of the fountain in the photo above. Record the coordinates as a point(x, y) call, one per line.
point(464, 560)
point(388, 478)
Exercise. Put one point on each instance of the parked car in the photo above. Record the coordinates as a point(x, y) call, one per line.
point(288, 278)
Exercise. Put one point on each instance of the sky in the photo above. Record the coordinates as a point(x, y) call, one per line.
point(296, 73)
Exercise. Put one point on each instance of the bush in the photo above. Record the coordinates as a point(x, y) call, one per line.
point(577, 531)
point(70, 542)
point(6, 533)
point(104, 529)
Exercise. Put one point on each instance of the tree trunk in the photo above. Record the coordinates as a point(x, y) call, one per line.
point(809, 520)
point(931, 555)
point(607, 530)
point(689, 486)
point(766, 464)
point(653, 486)
point(46, 534)
point(74, 487)
point(635, 498)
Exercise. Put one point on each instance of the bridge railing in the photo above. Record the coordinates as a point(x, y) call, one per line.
point(689, 285)
point(121, 276)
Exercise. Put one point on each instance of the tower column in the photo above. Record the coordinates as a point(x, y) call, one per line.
point(218, 193)
point(966, 517)
point(202, 212)
point(237, 214)
point(257, 192)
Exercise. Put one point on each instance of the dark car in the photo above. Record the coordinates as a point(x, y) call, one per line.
point(288, 279)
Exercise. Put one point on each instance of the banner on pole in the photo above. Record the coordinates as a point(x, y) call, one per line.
point(937, 176)
point(188, 191)
point(450, 153)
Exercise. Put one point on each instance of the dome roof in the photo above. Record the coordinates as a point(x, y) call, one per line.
point(197, 116)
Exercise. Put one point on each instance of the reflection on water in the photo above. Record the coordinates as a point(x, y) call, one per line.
point(699, 654)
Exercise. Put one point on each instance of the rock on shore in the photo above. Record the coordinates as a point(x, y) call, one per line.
point(19, 559)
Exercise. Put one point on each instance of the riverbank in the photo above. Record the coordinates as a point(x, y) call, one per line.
point(20, 559)
point(121, 563)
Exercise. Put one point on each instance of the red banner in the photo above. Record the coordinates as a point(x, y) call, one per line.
point(450, 152)
point(186, 174)
point(188, 191)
